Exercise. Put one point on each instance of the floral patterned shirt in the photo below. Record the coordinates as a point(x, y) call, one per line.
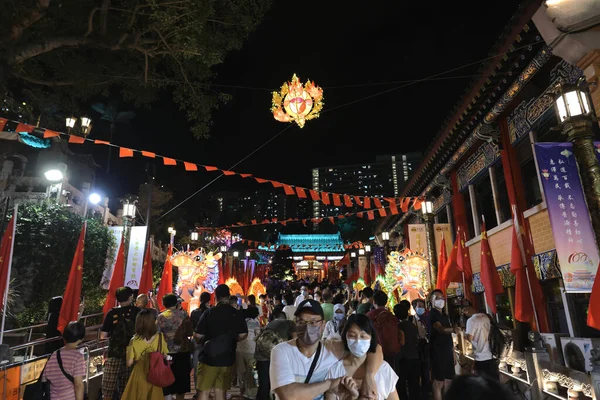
point(168, 322)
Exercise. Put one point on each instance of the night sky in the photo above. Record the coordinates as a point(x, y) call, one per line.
point(353, 53)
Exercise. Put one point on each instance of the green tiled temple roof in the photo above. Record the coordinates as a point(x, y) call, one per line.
point(310, 243)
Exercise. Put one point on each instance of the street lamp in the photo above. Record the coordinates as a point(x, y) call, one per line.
point(361, 252)
point(194, 236)
point(385, 236)
point(94, 198)
point(429, 218)
point(54, 175)
point(576, 119)
point(129, 209)
point(70, 122)
point(223, 249)
point(86, 125)
point(368, 250)
point(236, 254)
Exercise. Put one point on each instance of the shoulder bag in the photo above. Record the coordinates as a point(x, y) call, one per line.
point(159, 372)
point(313, 365)
point(38, 390)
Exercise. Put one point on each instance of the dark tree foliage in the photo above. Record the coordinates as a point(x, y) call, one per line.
point(282, 267)
point(46, 238)
point(56, 53)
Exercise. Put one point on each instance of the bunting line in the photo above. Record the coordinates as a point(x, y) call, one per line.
point(395, 205)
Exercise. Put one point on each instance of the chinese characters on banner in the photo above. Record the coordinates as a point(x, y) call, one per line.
point(442, 229)
point(135, 256)
point(117, 233)
point(569, 218)
point(417, 240)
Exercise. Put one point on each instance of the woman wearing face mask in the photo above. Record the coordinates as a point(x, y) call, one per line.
point(359, 339)
point(441, 345)
point(334, 328)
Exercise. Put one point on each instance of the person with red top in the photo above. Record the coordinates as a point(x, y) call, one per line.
point(389, 334)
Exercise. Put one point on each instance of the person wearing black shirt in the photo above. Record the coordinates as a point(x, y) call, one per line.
point(119, 328)
point(408, 362)
point(442, 346)
point(219, 328)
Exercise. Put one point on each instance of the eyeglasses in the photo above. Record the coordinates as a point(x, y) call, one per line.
point(302, 322)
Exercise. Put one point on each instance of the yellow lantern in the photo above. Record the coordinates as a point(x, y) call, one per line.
point(296, 102)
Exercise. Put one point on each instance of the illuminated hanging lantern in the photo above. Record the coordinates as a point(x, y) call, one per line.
point(406, 273)
point(297, 103)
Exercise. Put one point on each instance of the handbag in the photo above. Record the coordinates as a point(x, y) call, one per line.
point(66, 374)
point(159, 372)
point(38, 390)
point(217, 347)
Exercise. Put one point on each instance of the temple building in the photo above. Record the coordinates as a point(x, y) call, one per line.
point(315, 255)
point(484, 158)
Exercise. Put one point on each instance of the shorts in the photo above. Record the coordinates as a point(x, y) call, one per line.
point(442, 365)
point(209, 377)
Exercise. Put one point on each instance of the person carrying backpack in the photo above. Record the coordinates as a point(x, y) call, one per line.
point(279, 330)
point(119, 328)
point(389, 334)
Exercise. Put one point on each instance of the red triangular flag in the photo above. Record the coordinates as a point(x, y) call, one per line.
point(69, 311)
point(300, 192)
point(347, 201)
point(124, 152)
point(325, 198)
point(367, 202)
point(332, 220)
point(370, 215)
point(146, 280)
point(6, 251)
point(190, 166)
point(166, 280)
point(169, 161)
point(358, 201)
point(314, 195)
point(117, 278)
point(3, 122)
point(288, 190)
point(276, 184)
point(382, 212)
point(489, 274)
point(377, 202)
point(337, 201)
point(24, 128)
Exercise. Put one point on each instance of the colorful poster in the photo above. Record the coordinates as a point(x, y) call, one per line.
point(417, 240)
point(569, 217)
point(31, 372)
point(439, 231)
point(117, 233)
point(135, 256)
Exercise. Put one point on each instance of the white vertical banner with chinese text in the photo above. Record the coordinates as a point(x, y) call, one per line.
point(135, 256)
point(417, 240)
point(117, 234)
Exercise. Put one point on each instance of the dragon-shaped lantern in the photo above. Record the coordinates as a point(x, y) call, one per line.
point(198, 272)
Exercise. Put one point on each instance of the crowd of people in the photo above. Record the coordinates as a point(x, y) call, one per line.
point(318, 342)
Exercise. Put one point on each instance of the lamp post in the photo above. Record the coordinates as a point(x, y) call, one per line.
point(368, 251)
point(235, 257)
point(353, 259)
point(194, 236)
point(575, 117)
point(55, 175)
point(129, 209)
point(428, 217)
point(172, 233)
point(86, 124)
point(94, 198)
point(385, 236)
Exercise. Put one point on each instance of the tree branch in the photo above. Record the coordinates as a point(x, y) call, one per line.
point(105, 5)
point(35, 49)
point(35, 14)
point(91, 21)
point(177, 61)
point(43, 82)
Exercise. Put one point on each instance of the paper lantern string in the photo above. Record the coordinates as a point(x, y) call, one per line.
point(395, 205)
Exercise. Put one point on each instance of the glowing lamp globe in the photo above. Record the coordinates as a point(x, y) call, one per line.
point(296, 102)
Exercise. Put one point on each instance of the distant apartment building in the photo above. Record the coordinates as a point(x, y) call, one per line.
point(383, 178)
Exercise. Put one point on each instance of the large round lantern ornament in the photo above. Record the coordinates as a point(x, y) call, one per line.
point(198, 272)
point(296, 102)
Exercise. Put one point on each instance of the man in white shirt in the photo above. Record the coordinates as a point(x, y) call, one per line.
point(478, 333)
point(291, 361)
point(302, 296)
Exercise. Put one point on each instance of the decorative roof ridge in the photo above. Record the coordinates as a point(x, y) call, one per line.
point(507, 38)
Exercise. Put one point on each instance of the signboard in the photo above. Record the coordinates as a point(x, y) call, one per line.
point(417, 239)
point(117, 234)
point(31, 372)
point(10, 383)
point(135, 256)
point(445, 231)
point(569, 217)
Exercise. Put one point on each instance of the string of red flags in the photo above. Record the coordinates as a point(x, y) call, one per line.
point(396, 205)
point(369, 214)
